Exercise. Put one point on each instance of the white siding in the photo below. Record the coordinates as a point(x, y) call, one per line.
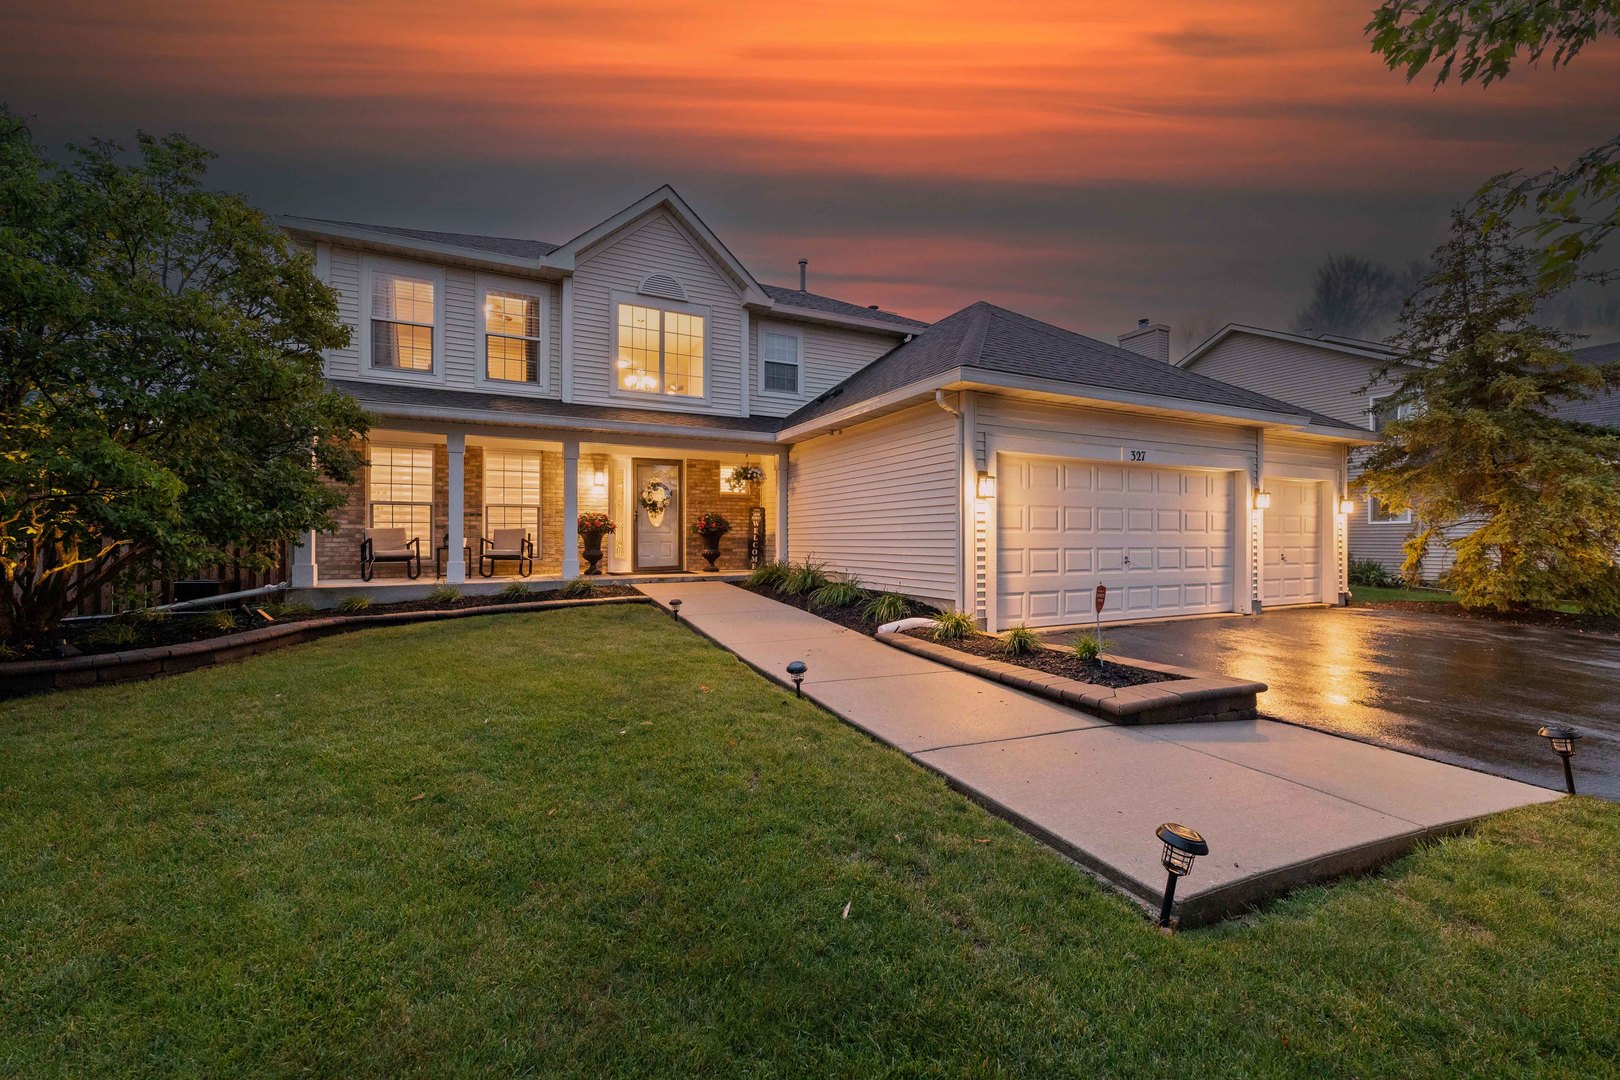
point(881, 501)
point(1323, 380)
point(1006, 416)
point(831, 355)
point(657, 243)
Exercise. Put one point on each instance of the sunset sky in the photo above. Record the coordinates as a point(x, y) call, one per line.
point(1087, 163)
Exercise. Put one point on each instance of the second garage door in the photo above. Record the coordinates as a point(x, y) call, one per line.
point(1292, 573)
point(1160, 539)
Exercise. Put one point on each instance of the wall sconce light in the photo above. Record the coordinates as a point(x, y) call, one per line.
point(1563, 744)
point(599, 479)
point(1181, 846)
point(986, 486)
point(1347, 507)
point(1262, 500)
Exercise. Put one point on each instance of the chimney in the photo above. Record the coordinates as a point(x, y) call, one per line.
point(804, 266)
point(1151, 340)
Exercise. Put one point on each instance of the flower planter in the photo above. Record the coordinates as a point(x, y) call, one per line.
point(592, 551)
point(711, 550)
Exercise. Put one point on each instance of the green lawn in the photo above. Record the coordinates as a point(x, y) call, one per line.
point(589, 843)
point(1374, 594)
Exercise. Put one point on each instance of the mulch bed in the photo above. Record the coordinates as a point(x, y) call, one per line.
point(848, 618)
point(179, 628)
point(1561, 620)
point(1051, 661)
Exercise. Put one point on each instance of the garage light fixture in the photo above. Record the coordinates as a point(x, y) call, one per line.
point(1262, 500)
point(986, 486)
point(1563, 743)
point(1347, 507)
point(1181, 846)
point(797, 670)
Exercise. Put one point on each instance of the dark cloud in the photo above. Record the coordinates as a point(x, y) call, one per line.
point(1207, 43)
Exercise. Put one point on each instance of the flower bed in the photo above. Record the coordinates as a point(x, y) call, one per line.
point(1062, 662)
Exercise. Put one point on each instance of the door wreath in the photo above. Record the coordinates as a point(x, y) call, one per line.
point(655, 499)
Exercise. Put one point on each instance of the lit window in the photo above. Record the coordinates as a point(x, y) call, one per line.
point(511, 336)
point(512, 493)
point(660, 352)
point(401, 479)
point(780, 354)
point(401, 322)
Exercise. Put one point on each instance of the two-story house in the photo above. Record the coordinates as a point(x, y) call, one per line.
point(990, 462)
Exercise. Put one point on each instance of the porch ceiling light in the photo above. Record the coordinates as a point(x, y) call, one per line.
point(986, 485)
point(1347, 507)
point(1181, 846)
point(1262, 500)
point(1563, 741)
point(797, 670)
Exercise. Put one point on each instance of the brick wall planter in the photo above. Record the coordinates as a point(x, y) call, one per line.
point(38, 676)
point(1197, 697)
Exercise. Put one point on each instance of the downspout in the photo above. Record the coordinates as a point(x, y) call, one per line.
point(939, 399)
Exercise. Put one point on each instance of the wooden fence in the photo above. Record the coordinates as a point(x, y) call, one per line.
point(158, 588)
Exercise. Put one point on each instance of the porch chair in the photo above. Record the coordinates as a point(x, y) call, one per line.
point(510, 544)
point(390, 545)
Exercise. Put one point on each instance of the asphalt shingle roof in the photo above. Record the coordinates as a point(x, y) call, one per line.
point(990, 338)
point(1604, 408)
point(814, 302)
point(500, 245)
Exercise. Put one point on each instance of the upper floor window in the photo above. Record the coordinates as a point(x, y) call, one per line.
point(1382, 411)
point(660, 351)
point(401, 495)
point(782, 364)
point(402, 315)
point(511, 336)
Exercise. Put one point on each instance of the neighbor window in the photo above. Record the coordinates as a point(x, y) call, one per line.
point(401, 479)
point(401, 322)
point(660, 351)
point(511, 336)
point(779, 353)
point(512, 492)
point(1377, 515)
point(1383, 411)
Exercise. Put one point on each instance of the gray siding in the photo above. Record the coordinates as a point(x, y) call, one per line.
point(1325, 380)
point(831, 355)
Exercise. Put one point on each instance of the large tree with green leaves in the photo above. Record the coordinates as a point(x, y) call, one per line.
point(1574, 208)
point(161, 395)
point(1483, 451)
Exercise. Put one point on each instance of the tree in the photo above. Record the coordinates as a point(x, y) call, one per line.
point(1482, 447)
point(1351, 295)
point(160, 375)
point(1576, 207)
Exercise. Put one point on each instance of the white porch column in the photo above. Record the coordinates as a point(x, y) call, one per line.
point(455, 570)
point(782, 505)
point(570, 531)
point(306, 573)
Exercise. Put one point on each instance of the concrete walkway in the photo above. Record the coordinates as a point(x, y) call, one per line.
point(1279, 805)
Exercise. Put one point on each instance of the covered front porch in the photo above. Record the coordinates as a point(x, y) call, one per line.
point(462, 501)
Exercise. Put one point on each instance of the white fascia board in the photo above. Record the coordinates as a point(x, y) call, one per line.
point(567, 423)
point(404, 245)
point(1279, 335)
point(1333, 434)
point(978, 378)
point(921, 390)
point(832, 318)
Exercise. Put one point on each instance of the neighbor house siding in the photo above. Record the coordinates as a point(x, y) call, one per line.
point(881, 501)
point(831, 355)
point(655, 244)
point(1323, 380)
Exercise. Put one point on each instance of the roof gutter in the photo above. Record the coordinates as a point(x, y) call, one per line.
point(565, 423)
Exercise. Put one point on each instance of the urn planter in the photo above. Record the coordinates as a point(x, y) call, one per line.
point(711, 550)
point(592, 551)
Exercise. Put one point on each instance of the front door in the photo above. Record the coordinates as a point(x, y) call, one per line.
point(658, 515)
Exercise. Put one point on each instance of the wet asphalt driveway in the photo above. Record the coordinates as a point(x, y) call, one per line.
point(1466, 691)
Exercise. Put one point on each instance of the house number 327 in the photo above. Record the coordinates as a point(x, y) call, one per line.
point(1138, 455)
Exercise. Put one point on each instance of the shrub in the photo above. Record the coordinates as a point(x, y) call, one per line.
point(805, 578)
point(444, 594)
point(1020, 641)
point(148, 615)
point(515, 591)
point(953, 626)
point(886, 607)
point(289, 610)
point(769, 575)
point(836, 595)
point(217, 619)
point(112, 633)
point(351, 605)
point(578, 589)
point(1371, 573)
point(1089, 646)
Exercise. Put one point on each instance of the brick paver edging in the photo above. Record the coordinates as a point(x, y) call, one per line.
point(1196, 697)
point(38, 676)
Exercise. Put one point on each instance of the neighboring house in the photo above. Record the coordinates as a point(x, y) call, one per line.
point(1333, 375)
point(990, 463)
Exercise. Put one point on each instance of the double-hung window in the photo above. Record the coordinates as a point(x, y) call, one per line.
point(402, 318)
point(512, 492)
point(511, 336)
point(660, 351)
point(401, 481)
point(781, 362)
point(1381, 412)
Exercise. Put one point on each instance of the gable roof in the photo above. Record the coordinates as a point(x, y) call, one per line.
point(809, 301)
point(1366, 350)
point(990, 342)
point(499, 245)
point(1602, 408)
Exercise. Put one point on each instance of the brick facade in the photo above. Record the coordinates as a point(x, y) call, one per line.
point(703, 496)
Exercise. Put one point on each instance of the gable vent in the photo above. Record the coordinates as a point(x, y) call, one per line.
point(663, 285)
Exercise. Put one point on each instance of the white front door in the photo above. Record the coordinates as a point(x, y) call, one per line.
point(1292, 567)
point(1159, 539)
point(658, 515)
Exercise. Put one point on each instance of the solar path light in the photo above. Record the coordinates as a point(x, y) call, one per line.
point(675, 609)
point(1563, 744)
point(1181, 846)
point(797, 670)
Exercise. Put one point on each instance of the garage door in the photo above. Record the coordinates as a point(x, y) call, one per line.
point(1292, 567)
point(1160, 539)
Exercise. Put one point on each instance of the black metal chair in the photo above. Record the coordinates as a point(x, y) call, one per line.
point(390, 545)
point(513, 545)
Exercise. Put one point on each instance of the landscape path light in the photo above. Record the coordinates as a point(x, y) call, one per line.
point(1563, 743)
point(1181, 846)
point(797, 670)
point(675, 609)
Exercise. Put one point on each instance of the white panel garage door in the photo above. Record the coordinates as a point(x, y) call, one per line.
point(1292, 569)
point(1160, 539)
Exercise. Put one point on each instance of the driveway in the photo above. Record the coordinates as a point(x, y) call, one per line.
point(1466, 691)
